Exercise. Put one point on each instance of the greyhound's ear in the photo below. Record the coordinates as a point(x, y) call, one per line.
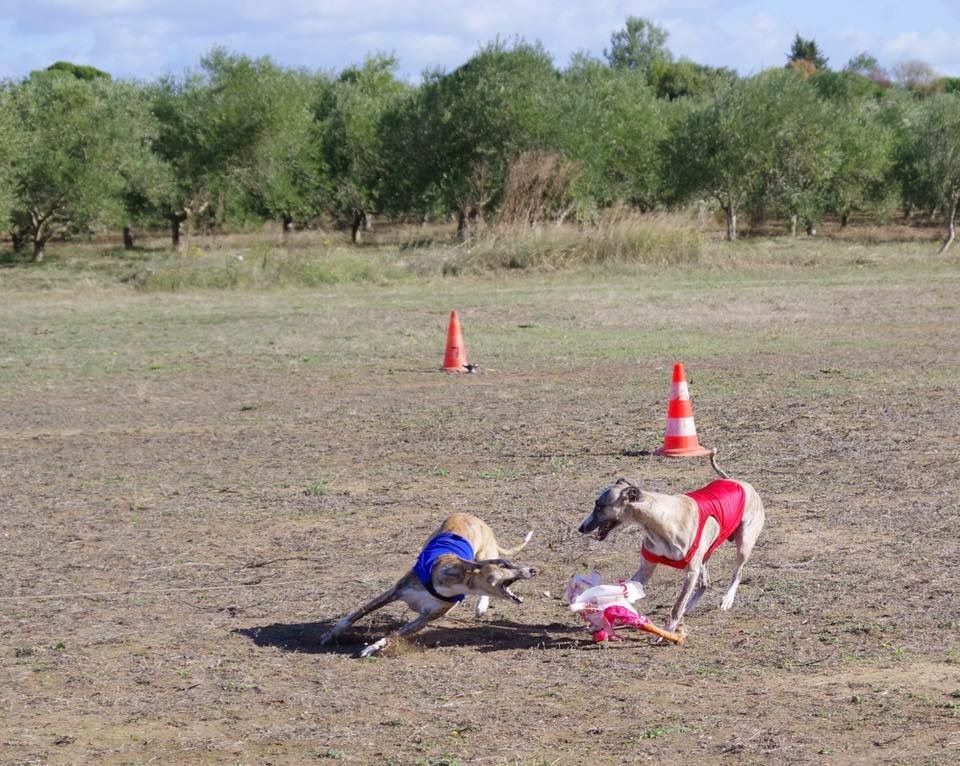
point(449, 574)
point(632, 494)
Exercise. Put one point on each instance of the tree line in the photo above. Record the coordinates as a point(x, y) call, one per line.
point(508, 136)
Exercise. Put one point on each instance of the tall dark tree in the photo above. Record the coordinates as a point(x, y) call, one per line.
point(803, 50)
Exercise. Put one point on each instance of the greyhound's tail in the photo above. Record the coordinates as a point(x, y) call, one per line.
point(517, 548)
point(713, 462)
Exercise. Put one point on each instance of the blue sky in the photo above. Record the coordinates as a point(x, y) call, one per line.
point(146, 39)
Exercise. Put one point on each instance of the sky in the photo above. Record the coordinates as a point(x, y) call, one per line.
point(148, 39)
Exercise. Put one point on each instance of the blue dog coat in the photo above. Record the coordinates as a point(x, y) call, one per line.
point(443, 543)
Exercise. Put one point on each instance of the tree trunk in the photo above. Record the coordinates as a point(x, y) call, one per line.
point(844, 220)
point(793, 225)
point(39, 249)
point(951, 228)
point(356, 227)
point(176, 230)
point(127, 238)
point(286, 228)
point(367, 222)
point(463, 226)
point(731, 213)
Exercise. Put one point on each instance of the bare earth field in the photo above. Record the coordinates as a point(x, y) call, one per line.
point(195, 485)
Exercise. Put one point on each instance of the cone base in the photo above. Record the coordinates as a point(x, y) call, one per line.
point(697, 451)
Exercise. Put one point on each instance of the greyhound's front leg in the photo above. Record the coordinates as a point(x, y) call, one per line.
point(387, 597)
point(690, 581)
point(413, 626)
point(643, 573)
point(702, 584)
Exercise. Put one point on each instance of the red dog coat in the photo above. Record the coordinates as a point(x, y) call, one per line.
point(722, 499)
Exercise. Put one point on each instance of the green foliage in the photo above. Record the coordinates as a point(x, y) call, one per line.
point(504, 138)
point(950, 85)
point(802, 148)
point(863, 149)
point(284, 177)
point(639, 45)
point(714, 150)
point(236, 130)
point(846, 86)
point(610, 121)
point(863, 64)
point(12, 145)
point(679, 79)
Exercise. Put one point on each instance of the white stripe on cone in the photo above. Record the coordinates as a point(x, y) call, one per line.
point(679, 390)
point(681, 427)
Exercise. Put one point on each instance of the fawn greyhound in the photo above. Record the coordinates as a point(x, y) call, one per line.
point(683, 530)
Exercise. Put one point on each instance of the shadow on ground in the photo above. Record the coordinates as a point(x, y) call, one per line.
point(492, 636)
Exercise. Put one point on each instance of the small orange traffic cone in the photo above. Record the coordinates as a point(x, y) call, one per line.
point(680, 438)
point(455, 355)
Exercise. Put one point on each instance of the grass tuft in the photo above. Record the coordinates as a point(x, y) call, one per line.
point(657, 239)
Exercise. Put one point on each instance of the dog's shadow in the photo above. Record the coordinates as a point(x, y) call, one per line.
point(485, 636)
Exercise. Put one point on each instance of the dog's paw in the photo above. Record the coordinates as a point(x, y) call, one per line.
point(369, 651)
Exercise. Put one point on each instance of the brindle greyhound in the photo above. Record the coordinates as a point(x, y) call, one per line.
point(461, 558)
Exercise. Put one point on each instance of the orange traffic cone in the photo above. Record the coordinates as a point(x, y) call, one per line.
point(680, 438)
point(455, 355)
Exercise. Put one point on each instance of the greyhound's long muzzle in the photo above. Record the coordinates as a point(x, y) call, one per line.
point(523, 573)
point(589, 524)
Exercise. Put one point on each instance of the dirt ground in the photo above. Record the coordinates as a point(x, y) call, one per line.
point(179, 527)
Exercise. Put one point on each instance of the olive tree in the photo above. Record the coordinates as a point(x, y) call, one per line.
point(762, 141)
point(11, 148)
point(805, 154)
point(222, 131)
point(610, 122)
point(721, 149)
point(638, 46)
point(864, 146)
point(481, 117)
point(929, 160)
point(81, 141)
point(349, 136)
point(283, 177)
